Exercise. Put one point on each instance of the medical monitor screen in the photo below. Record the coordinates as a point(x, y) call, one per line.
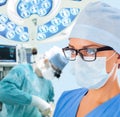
point(7, 53)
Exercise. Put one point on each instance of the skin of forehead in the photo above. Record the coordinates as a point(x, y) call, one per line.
point(81, 43)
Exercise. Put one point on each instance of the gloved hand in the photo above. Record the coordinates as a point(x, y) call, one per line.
point(52, 109)
point(42, 105)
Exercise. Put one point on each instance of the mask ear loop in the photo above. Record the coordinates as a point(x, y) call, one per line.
point(111, 56)
point(118, 71)
point(114, 67)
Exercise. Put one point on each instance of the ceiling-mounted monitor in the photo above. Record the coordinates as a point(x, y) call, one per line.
point(8, 55)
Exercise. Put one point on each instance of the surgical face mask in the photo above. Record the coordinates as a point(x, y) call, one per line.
point(48, 73)
point(46, 70)
point(92, 75)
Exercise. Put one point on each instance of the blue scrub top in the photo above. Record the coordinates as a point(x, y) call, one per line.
point(69, 101)
point(18, 86)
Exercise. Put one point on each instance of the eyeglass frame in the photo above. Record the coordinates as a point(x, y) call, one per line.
point(104, 48)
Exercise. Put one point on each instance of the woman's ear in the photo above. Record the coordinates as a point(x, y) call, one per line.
point(46, 62)
point(119, 61)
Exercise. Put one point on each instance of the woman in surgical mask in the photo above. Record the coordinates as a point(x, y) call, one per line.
point(94, 46)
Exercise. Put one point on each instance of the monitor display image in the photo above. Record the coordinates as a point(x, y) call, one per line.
point(8, 54)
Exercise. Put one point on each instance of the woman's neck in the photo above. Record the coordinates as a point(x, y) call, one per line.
point(108, 91)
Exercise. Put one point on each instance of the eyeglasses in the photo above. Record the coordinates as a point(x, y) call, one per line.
point(57, 71)
point(87, 54)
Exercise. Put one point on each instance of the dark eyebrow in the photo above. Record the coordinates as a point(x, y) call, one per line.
point(71, 46)
point(95, 46)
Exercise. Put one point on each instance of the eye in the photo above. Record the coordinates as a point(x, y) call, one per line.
point(91, 51)
point(73, 51)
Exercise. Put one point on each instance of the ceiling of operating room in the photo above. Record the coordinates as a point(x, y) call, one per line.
point(26, 21)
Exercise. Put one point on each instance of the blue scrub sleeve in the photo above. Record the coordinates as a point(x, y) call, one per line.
point(11, 88)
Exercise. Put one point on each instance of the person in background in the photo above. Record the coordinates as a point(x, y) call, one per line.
point(34, 54)
point(27, 90)
point(94, 46)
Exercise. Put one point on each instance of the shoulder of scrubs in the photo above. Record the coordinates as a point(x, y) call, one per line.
point(11, 86)
point(68, 103)
point(47, 89)
point(110, 108)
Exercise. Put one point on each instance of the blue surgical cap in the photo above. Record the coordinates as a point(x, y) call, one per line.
point(56, 57)
point(59, 61)
point(100, 23)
